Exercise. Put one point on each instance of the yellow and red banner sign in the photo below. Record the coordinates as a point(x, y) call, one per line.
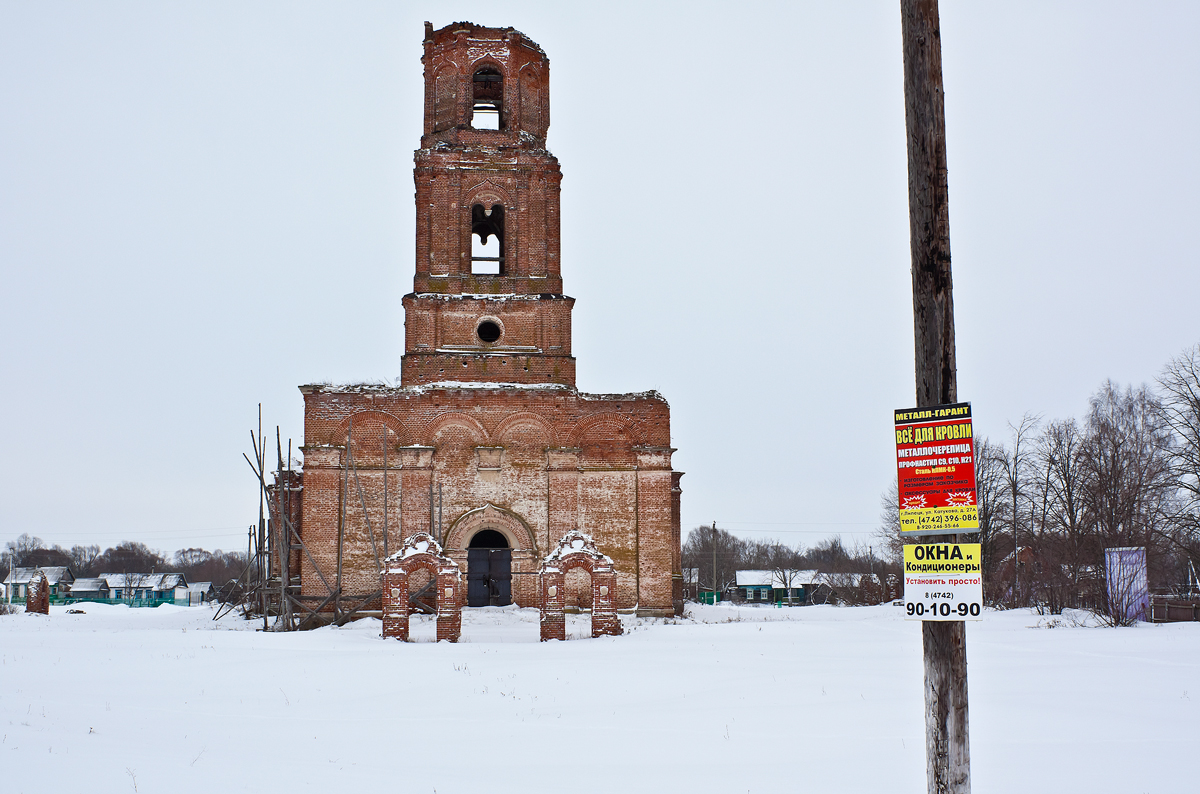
point(935, 465)
point(943, 581)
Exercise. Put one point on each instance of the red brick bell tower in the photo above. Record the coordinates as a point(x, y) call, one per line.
point(486, 447)
point(487, 301)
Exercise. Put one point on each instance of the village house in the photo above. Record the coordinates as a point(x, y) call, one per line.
point(146, 589)
point(776, 586)
point(90, 589)
point(201, 593)
point(58, 576)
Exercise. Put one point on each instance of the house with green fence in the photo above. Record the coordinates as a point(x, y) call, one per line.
point(134, 589)
point(59, 577)
point(779, 586)
point(146, 589)
point(90, 590)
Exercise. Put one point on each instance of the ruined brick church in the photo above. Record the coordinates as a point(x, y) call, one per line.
point(487, 446)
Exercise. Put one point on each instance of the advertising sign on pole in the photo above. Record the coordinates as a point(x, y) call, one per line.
point(943, 581)
point(935, 465)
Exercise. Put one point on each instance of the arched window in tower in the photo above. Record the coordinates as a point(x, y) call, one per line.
point(487, 240)
point(488, 96)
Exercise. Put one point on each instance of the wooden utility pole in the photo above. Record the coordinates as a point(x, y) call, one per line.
point(947, 749)
point(714, 555)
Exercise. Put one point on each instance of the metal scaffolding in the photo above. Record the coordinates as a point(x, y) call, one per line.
point(271, 583)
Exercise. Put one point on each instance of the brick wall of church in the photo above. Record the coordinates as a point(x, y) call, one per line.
point(549, 460)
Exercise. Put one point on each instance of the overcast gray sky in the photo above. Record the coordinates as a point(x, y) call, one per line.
point(203, 205)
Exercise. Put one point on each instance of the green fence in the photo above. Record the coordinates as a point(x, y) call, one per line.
point(136, 602)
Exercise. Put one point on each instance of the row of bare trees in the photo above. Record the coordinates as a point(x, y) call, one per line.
point(1056, 494)
point(198, 565)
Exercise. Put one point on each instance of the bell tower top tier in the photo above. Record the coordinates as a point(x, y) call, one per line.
point(485, 87)
point(487, 301)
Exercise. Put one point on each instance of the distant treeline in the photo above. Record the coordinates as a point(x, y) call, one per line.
point(1063, 491)
point(198, 565)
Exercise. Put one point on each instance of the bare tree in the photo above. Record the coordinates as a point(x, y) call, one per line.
point(83, 560)
point(891, 542)
point(1020, 502)
point(20, 550)
point(191, 558)
point(1128, 490)
point(990, 484)
point(1180, 384)
point(784, 563)
point(1126, 462)
point(830, 556)
point(717, 555)
point(1062, 546)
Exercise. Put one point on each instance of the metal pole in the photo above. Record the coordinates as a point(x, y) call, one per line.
point(260, 454)
point(947, 749)
point(385, 492)
point(337, 594)
point(284, 541)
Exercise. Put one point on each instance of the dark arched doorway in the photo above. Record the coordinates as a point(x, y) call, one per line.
point(489, 570)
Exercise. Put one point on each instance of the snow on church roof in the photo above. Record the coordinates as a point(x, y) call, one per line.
point(448, 385)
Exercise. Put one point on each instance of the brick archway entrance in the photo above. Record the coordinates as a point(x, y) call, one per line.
point(421, 552)
point(578, 550)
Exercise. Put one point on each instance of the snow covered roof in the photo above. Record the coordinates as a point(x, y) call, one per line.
point(422, 388)
point(451, 385)
point(794, 577)
point(88, 586)
point(54, 575)
point(575, 542)
point(754, 578)
point(200, 587)
point(145, 581)
point(488, 296)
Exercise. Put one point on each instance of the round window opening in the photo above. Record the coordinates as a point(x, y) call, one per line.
point(488, 331)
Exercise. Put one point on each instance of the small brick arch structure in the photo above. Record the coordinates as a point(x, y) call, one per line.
point(421, 552)
point(578, 550)
point(37, 596)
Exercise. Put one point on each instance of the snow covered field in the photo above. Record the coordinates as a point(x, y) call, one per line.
point(752, 699)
